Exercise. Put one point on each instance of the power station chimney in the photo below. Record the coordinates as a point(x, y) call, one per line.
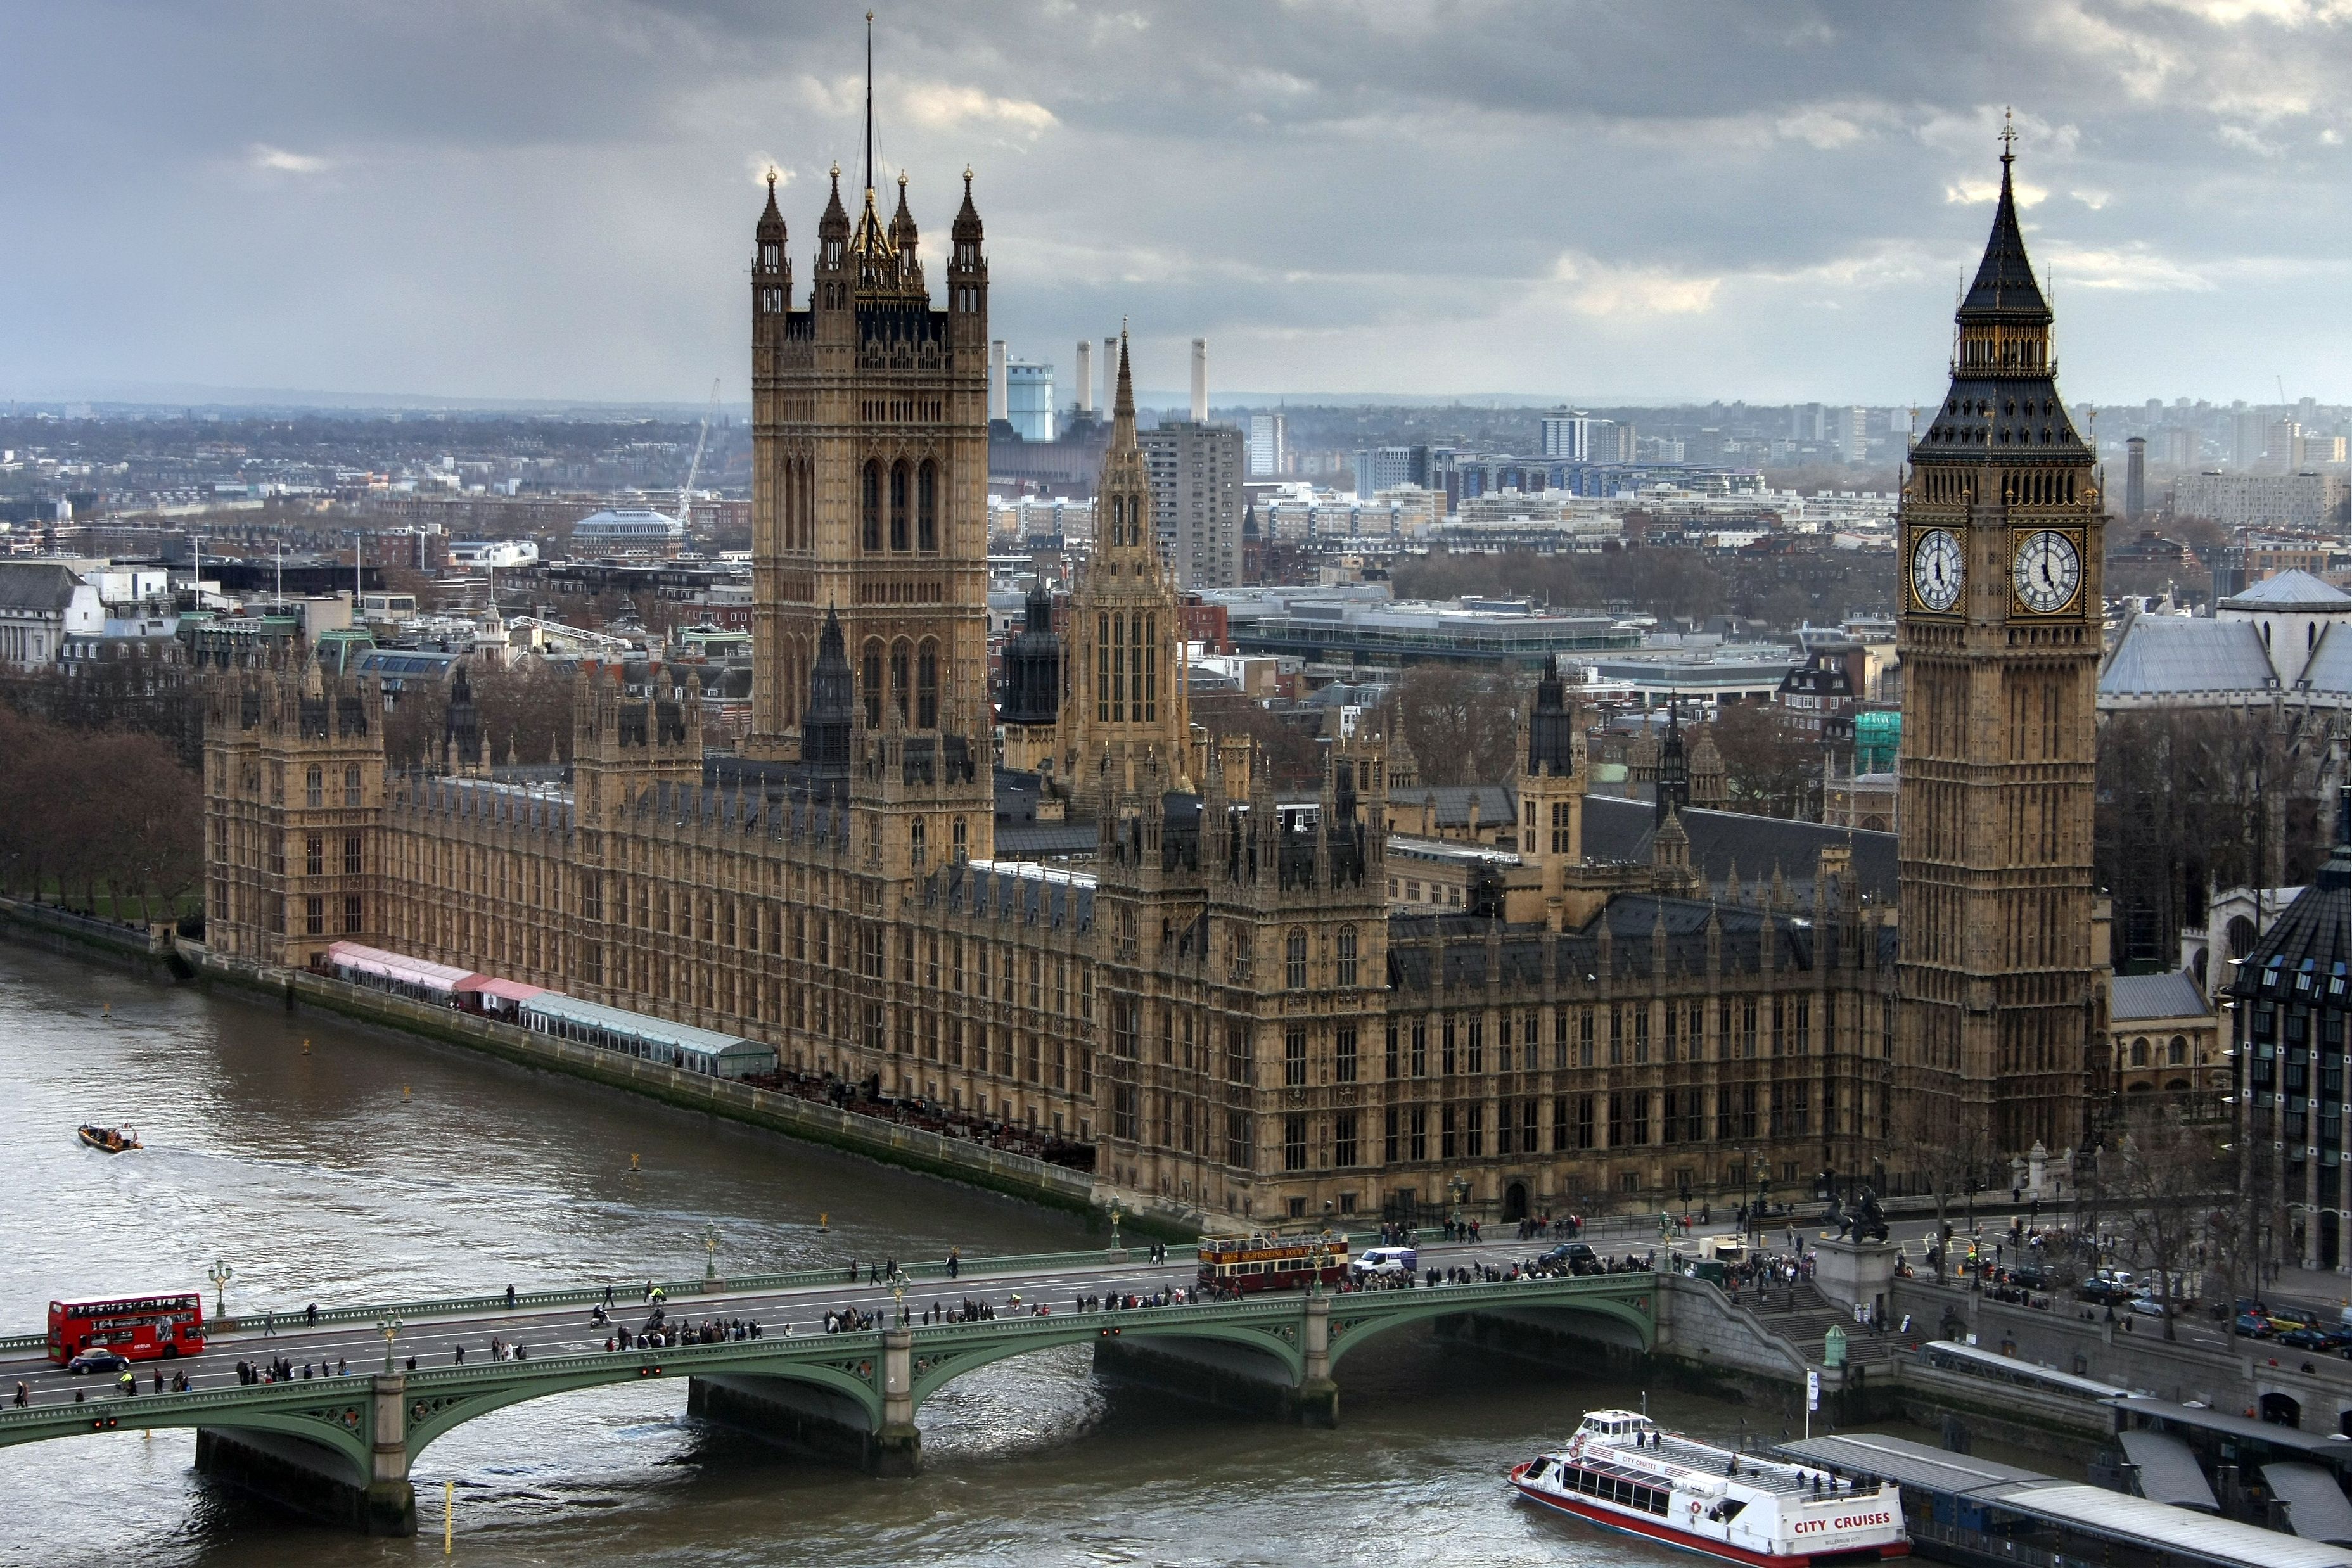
point(1110, 373)
point(1086, 376)
point(1000, 397)
point(1200, 381)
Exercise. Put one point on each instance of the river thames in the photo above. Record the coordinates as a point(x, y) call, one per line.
point(313, 1179)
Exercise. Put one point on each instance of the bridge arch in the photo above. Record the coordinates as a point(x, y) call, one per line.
point(347, 1441)
point(935, 1370)
point(1350, 1330)
point(433, 1412)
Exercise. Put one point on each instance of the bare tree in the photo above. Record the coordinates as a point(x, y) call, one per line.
point(1770, 763)
point(1949, 1149)
point(2158, 1173)
point(1463, 726)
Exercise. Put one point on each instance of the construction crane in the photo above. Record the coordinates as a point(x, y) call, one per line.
point(686, 491)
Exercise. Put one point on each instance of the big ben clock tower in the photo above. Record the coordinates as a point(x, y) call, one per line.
point(2003, 1011)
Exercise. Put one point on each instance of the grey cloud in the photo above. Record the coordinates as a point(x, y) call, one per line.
point(549, 198)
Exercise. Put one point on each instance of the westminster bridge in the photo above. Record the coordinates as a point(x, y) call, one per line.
point(341, 1444)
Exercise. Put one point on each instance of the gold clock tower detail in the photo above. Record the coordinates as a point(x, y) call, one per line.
point(2003, 1008)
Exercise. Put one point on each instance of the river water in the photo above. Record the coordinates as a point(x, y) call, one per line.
point(314, 1179)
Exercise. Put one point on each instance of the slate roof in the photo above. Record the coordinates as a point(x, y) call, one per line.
point(2306, 957)
point(2329, 668)
point(1495, 804)
point(1419, 944)
point(2290, 590)
point(28, 585)
point(2171, 995)
point(2159, 654)
point(1720, 841)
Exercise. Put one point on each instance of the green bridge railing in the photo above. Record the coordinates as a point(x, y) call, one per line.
point(633, 1285)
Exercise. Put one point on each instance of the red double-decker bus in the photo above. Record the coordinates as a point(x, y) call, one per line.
point(137, 1328)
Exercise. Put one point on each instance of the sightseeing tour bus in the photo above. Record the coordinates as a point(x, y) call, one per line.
point(137, 1328)
point(1272, 1262)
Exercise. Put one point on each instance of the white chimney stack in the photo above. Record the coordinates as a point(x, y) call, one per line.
point(1086, 376)
point(1200, 381)
point(1110, 374)
point(999, 396)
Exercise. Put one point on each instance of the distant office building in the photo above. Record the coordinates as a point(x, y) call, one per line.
point(2282, 443)
point(2249, 433)
point(1564, 435)
point(1029, 399)
point(2134, 479)
point(1379, 468)
point(2263, 500)
point(1854, 434)
point(1195, 471)
point(2179, 447)
point(1269, 445)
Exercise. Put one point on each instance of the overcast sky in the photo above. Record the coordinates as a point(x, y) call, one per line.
point(1632, 202)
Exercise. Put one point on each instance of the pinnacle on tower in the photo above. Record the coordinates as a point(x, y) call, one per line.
point(1122, 414)
point(2005, 284)
point(967, 218)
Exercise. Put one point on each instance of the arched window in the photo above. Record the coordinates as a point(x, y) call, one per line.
point(1294, 958)
point(900, 479)
point(2176, 1053)
point(314, 791)
point(1104, 681)
point(872, 529)
point(873, 685)
point(901, 658)
point(1147, 664)
point(1118, 669)
point(2242, 936)
point(351, 784)
point(926, 685)
point(1347, 956)
point(2139, 1053)
point(927, 508)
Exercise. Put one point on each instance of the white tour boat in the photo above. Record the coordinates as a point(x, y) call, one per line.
point(1622, 1473)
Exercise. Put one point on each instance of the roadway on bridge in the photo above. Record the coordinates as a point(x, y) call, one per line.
point(433, 1339)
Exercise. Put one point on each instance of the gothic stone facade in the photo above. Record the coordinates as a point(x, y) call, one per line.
point(1221, 1004)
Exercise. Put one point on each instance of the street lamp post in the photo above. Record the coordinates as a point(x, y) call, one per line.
point(220, 1274)
point(899, 1297)
point(390, 1328)
point(709, 1250)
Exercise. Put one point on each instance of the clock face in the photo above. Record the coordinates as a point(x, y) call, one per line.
point(1937, 570)
point(2048, 571)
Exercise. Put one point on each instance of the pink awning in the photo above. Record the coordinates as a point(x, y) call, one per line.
point(505, 990)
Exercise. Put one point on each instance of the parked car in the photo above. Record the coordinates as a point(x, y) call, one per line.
point(2311, 1339)
point(2253, 1325)
point(2147, 1306)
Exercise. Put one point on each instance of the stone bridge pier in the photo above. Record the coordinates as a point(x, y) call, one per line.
point(861, 1412)
point(361, 1484)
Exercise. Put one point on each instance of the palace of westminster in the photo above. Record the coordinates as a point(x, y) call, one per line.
point(1221, 1002)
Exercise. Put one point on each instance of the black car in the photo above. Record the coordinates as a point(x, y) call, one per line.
point(96, 1361)
point(2311, 1339)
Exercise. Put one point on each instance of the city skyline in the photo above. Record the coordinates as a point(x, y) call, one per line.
point(1776, 209)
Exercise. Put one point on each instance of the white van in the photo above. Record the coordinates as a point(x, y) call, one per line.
point(1378, 1262)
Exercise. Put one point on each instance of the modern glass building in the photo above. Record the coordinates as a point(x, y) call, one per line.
point(1029, 399)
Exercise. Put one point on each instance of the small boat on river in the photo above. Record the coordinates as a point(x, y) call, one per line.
point(1623, 1473)
point(110, 1140)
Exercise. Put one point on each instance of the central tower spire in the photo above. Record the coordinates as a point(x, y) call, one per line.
point(869, 109)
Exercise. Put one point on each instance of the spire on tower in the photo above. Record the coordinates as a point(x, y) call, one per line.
point(1122, 408)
